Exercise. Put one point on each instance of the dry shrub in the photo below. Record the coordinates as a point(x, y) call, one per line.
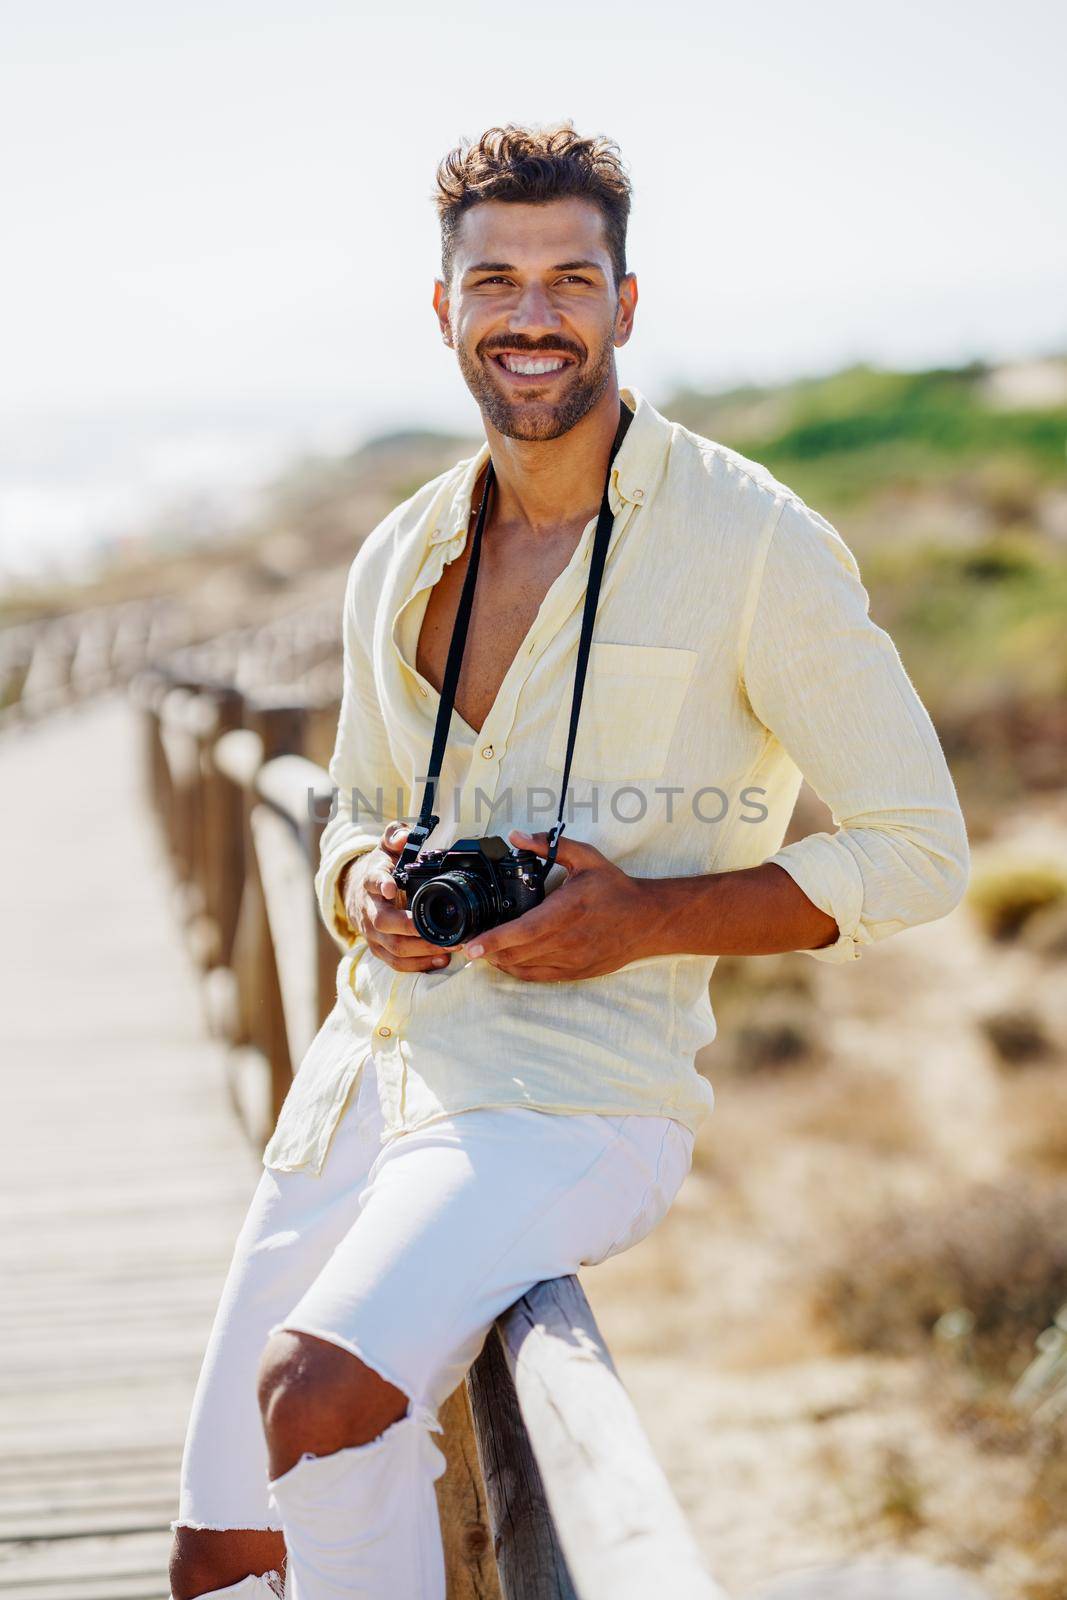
point(1045, 932)
point(778, 1034)
point(767, 1015)
point(994, 1254)
point(746, 978)
point(986, 1415)
point(1018, 1035)
point(1008, 891)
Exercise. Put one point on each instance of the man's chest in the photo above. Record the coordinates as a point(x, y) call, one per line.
point(514, 578)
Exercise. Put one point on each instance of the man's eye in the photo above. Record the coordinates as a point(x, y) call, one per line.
point(573, 277)
point(482, 281)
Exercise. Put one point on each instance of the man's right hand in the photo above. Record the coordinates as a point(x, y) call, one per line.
point(370, 894)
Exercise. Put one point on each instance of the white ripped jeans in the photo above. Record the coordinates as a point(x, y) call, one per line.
point(403, 1254)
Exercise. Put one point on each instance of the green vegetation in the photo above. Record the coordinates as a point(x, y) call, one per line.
point(838, 439)
point(976, 625)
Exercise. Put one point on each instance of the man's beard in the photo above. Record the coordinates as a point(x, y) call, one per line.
point(536, 419)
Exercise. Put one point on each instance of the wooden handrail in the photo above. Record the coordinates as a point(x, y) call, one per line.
point(621, 1534)
point(55, 662)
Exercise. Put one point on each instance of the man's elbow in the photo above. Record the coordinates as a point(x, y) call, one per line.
point(930, 873)
point(950, 873)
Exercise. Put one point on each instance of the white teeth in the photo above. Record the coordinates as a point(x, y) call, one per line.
point(531, 368)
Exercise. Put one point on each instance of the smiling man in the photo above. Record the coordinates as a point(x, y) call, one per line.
point(472, 1120)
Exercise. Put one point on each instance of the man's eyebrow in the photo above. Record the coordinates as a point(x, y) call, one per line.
point(562, 266)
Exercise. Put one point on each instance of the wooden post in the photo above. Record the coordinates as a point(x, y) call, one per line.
point(327, 952)
point(237, 758)
point(470, 1566)
point(223, 828)
point(279, 722)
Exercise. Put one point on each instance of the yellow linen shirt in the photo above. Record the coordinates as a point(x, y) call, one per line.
point(732, 653)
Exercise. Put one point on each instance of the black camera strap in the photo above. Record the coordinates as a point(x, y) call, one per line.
point(605, 522)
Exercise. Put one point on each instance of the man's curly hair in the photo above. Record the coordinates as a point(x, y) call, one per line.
point(534, 165)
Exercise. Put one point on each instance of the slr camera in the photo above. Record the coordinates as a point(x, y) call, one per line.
point(475, 884)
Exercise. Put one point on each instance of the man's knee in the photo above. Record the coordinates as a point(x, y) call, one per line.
point(315, 1396)
point(205, 1559)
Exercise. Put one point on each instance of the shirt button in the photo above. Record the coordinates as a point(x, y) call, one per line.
point(639, 494)
point(384, 1032)
point(422, 691)
point(487, 751)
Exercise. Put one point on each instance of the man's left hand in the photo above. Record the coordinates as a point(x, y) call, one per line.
point(594, 923)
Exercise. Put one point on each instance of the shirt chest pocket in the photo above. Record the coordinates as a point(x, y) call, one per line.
point(630, 706)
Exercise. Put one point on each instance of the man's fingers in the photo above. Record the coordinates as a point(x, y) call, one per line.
point(536, 924)
point(394, 838)
point(390, 921)
point(394, 931)
point(539, 974)
point(395, 944)
point(574, 854)
point(411, 963)
point(384, 885)
point(538, 842)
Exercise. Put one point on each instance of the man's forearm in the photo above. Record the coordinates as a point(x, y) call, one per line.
point(750, 912)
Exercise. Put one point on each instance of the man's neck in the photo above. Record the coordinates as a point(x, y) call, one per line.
point(543, 483)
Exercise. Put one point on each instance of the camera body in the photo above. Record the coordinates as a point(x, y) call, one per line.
point(475, 884)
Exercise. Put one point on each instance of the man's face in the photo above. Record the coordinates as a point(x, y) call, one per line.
point(533, 313)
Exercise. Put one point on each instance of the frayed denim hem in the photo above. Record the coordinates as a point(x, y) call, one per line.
point(226, 1527)
point(372, 1447)
point(416, 1408)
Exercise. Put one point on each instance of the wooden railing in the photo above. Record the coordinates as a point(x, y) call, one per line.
point(54, 663)
point(552, 1490)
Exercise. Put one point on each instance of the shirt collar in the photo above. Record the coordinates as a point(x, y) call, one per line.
point(638, 468)
point(642, 458)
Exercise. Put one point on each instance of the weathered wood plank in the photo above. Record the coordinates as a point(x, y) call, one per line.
point(124, 1180)
point(528, 1553)
point(292, 916)
point(470, 1569)
point(619, 1525)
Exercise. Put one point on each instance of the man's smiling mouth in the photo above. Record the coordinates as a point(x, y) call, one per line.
point(530, 366)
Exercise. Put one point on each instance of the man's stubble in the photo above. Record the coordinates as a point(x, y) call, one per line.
point(534, 419)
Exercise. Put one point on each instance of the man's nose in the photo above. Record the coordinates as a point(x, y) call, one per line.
point(534, 312)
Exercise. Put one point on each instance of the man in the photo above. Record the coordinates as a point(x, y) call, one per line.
point(414, 1185)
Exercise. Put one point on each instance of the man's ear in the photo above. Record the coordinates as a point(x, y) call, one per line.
point(624, 316)
point(440, 305)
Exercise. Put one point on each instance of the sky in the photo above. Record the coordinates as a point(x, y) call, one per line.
point(221, 245)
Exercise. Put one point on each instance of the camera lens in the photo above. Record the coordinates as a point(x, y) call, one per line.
point(451, 908)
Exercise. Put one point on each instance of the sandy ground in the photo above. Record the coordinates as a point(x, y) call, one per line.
point(783, 1451)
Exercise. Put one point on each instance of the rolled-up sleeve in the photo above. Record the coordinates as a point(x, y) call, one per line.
point(829, 684)
point(365, 780)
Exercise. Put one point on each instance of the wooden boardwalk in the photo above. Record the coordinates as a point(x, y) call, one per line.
point(124, 1175)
